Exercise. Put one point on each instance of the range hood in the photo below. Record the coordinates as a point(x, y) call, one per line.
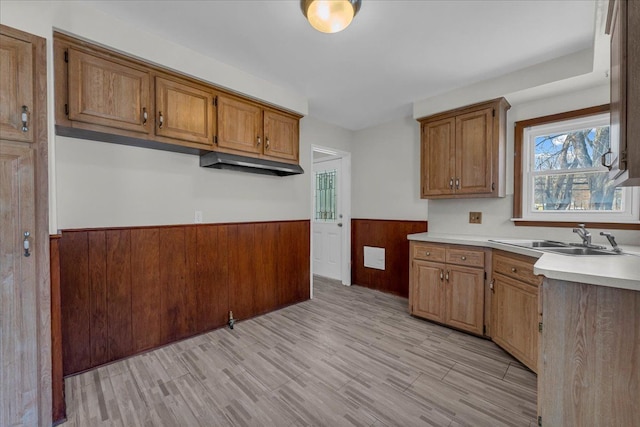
point(218, 160)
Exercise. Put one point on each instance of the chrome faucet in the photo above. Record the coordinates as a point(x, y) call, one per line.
point(585, 235)
point(611, 238)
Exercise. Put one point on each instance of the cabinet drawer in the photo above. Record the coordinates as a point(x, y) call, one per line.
point(429, 252)
point(469, 257)
point(515, 268)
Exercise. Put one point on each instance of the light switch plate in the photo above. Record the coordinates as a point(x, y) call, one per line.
point(475, 217)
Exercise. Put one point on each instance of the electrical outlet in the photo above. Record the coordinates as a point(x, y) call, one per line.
point(198, 217)
point(475, 217)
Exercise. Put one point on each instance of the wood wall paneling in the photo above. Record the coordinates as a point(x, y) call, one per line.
point(392, 236)
point(118, 260)
point(212, 276)
point(75, 302)
point(126, 290)
point(97, 265)
point(242, 276)
point(145, 288)
point(58, 407)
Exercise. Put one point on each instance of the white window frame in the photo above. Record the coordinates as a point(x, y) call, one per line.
point(631, 195)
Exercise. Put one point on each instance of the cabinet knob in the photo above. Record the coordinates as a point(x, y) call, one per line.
point(145, 116)
point(441, 274)
point(446, 276)
point(457, 183)
point(513, 269)
point(451, 183)
point(266, 145)
point(464, 258)
point(427, 253)
point(259, 140)
point(160, 119)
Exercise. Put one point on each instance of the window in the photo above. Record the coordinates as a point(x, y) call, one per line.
point(325, 196)
point(562, 176)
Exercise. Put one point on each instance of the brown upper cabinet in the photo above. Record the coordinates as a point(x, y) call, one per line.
point(107, 92)
point(104, 95)
point(16, 86)
point(247, 127)
point(184, 111)
point(463, 152)
point(623, 24)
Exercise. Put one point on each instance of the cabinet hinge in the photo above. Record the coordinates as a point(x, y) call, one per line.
point(493, 186)
point(215, 139)
point(66, 109)
point(493, 112)
point(539, 326)
point(540, 421)
point(485, 275)
point(66, 56)
point(484, 329)
point(215, 101)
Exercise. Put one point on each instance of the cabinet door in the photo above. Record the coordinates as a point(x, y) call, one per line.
point(437, 162)
point(16, 89)
point(107, 93)
point(428, 290)
point(184, 111)
point(18, 293)
point(474, 152)
point(281, 136)
point(239, 125)
point(465, 298)
point(515, 319)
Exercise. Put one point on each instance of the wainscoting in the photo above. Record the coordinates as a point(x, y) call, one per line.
point(392, 236)
point(127, 290)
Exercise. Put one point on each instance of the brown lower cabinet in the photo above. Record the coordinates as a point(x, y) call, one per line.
point(447, 285)
point(127, 290)
point(515, 307)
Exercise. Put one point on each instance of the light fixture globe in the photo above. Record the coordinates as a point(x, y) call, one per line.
point(330, 16)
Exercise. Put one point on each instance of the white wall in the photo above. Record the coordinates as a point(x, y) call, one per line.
point(386, 176)
point(386, 172)
point(95, 184)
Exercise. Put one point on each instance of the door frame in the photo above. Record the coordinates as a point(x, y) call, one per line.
point(345, 194)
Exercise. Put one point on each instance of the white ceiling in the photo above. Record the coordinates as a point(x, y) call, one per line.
point(394, 52)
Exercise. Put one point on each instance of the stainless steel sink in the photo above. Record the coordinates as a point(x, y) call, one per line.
point(577, 250)
point(540, 244)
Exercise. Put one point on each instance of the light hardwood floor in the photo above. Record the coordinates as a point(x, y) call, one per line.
point(350, 356)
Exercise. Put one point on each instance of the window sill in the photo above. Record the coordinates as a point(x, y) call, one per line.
point(519, 222)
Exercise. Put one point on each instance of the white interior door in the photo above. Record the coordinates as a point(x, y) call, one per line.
point(327, 219)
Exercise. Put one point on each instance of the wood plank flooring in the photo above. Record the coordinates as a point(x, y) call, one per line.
point(349, 357)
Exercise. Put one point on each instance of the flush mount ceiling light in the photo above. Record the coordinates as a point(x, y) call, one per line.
point(330, 16)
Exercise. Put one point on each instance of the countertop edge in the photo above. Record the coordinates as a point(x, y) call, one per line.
point(593, 270)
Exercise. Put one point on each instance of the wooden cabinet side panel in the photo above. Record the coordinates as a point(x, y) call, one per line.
point(59, 410)
point(474, 152)
point(146, 291)
point(212, 276)
point(266, 265)
point(590, 347)
point(75, 299)
point(118, 279)
point(293, 271)
point(16, 87)
point(98, 289)
point(465, 298)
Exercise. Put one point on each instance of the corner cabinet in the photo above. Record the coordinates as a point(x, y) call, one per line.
point(463, 152)
point(515, 307)
point(263, 132)
point(447, 285)
point(106, 96)
point(623, 24)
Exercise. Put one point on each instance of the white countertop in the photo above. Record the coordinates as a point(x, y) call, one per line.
point(615, 271)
